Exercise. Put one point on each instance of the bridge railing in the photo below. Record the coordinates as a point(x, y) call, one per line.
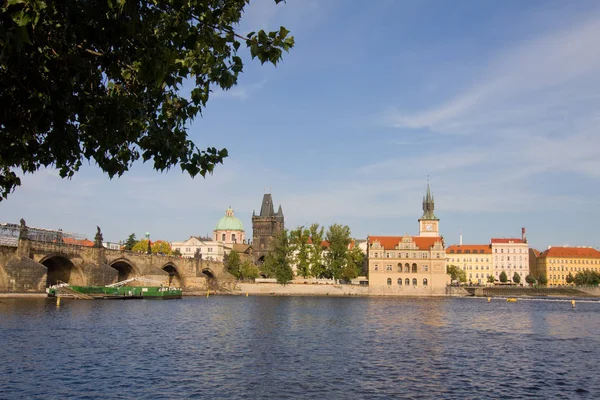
point(10, 233)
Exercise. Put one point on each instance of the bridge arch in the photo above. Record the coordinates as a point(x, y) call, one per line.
point(61, 268)
point(211, 279)
point(126, 269)
point(175, 278)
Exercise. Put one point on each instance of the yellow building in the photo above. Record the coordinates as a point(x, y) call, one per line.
point(410, 264)
point(557, 262)
point(474, 259)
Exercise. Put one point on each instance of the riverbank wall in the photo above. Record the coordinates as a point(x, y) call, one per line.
point(275, 289)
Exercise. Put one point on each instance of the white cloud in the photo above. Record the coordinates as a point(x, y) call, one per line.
point(538, 74)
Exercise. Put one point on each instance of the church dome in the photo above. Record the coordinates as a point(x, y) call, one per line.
point(229, 222)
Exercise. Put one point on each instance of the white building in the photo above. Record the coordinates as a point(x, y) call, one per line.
point(209, 249)
point(511, 255)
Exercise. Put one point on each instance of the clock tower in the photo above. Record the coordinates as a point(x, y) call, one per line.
point(429, 223)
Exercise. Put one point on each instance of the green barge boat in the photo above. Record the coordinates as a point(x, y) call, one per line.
point(115, 291)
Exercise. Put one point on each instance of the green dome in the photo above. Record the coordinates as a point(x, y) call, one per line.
point(229, 222)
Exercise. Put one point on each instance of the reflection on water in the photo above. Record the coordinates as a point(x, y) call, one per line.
point(299, 347)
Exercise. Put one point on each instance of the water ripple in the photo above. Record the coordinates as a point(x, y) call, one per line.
point(298, 347)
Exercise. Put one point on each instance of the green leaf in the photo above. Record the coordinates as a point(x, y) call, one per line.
point(21, 18)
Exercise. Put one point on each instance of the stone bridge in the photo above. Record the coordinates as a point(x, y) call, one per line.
point(31, 266)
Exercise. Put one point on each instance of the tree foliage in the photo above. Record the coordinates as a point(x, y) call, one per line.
point(503, 277)
point(249, 270)
point(317, 269)
point(299, 238)
point(140, 246)
point(102, 81)
point(570, 278)
point(130, 242)
point(530, 279)
point(491, 279)
point(587, 278)
point(516, 278)
point(233, 264)
point(161, 247)
point(456, 273)
point(542, 280)
point(277, 262)
point(336, 257)
point(354, 264)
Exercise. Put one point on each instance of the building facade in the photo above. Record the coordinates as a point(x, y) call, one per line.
point(206, 248)
point(474, 259)
point(556, 263)
point(264, 227)
point(511, 255)
point(406, 262)
point(229, 229)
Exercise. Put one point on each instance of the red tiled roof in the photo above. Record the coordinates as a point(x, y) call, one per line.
point(507, 240)
point(390, 242)
point(535, 252)
point(472, 248)
point(583, 252)
point(83, 242)
point(324, 243)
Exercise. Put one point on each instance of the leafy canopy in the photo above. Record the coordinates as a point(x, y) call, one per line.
point(503, 277)
point(277, 262)
point(101, 80)
point(516, 278)
point(456, 273)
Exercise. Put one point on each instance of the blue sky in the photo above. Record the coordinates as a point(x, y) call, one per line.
point(497, 101)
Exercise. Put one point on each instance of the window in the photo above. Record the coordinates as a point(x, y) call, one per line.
point(223, 237)
point(407, 282)
point(415, 282)
point(414, 267)
point(399, 281)
point(399, 267)
point(406, 267)
point(233, 237)
point(424, 281)
point(425, 267)
point(376, 268)
point(388, 267)
point(389, 281)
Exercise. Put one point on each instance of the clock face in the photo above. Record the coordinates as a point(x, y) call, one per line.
point(429, 227)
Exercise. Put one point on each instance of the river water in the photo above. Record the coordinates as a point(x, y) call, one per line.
point(299, 347)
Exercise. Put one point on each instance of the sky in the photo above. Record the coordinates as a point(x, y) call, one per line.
point(497, 102)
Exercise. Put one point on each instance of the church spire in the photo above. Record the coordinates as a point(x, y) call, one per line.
point(428, 205)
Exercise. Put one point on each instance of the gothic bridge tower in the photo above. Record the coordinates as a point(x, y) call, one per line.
point(264, 228)
point(429, 223)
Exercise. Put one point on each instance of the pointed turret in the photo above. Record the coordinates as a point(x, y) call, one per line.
point(266, 209)
point(428, 205)
point(280, 211)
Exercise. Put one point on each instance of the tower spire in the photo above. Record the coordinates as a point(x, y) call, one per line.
point(428, 203)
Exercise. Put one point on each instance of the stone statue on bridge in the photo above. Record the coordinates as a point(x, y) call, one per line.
point(98, 238)
point(23, 230)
